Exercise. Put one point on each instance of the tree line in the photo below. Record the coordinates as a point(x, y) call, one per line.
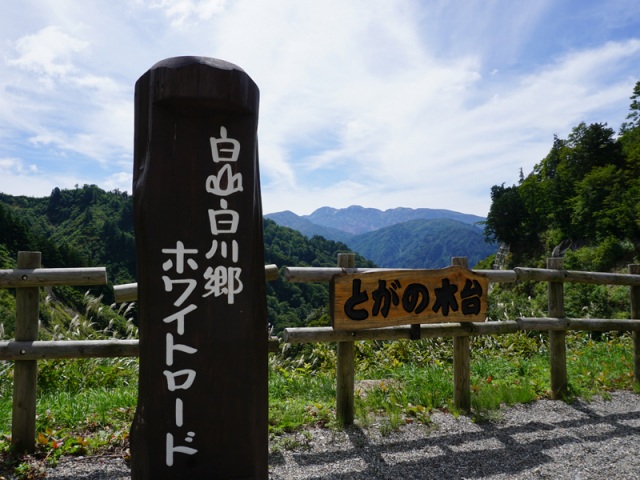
point(87, 226)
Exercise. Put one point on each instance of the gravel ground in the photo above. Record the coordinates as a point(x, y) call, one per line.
point(546, 439)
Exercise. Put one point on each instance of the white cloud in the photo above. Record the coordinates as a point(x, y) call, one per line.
point(19, 178)
point(185, 12)
point(54, 100)
point(15, 165)
point(48, 52)
point(121, 181)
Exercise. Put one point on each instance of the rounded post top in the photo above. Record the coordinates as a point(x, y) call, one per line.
point(198, 84)
point(184, 61)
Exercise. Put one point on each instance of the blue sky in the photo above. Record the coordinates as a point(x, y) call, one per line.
point(379, 103)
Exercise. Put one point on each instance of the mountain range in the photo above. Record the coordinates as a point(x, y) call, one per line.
point(399, 237)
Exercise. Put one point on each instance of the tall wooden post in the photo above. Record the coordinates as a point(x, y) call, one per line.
point(23, 426)
point(557, 338)
point(461, 361)
point(345, 364)
point(635, 314)
point(203, 404)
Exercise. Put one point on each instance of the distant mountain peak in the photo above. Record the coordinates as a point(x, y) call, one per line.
point(397, 237)
point(357, 219)
point(341, 224)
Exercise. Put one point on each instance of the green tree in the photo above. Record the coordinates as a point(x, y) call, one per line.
point(600, 206)
point(590, 147)
point(506, 217)
point(633, 117)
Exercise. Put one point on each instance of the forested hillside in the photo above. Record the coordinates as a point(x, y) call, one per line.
point(423, 244)
point(87, 226)
point(583, 197)
point(397, 237)
point(78, 227)
point(299, 304)
point(307, 227)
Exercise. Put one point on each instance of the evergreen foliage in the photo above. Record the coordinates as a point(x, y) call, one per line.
point(87, 226)
point(299, 304)
point(423, 244)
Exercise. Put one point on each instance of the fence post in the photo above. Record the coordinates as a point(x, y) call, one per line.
point(23, 426)
point(635, 314)
point(557, 343)
point(345, 364)
point(461, 361)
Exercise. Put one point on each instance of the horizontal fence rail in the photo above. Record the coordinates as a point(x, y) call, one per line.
point(128, 292)
point(60, 349)
point(518, 274)
point(448, 330)
point(49, 277)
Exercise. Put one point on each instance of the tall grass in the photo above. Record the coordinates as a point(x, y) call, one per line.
point(392, 378)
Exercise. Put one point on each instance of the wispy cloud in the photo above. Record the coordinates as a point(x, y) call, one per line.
point(16, 166)
point(48, 52)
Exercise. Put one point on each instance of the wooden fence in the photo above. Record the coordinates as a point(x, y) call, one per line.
point(26, 350)
point(556, 324)
point(28, 277)
point(27, 280)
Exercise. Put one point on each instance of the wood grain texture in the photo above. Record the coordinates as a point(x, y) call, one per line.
point(407, 304)
point(557, 338)
point(48, 277)
point(23, 423)
point(203, 390)
point(345, 365)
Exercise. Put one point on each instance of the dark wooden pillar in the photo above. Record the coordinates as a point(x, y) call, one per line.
point(202, 405)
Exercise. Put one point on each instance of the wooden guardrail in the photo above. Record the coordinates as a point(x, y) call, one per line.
point(27, 280)
point(556, 324)
point(26, 350)
point(28, 277)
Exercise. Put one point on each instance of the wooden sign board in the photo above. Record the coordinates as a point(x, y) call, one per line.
point(203, 389)
point(403, 297)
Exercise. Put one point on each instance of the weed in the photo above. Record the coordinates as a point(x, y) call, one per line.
point(417, 412)
point(30, 469)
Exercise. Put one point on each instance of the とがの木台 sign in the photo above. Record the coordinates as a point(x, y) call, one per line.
point(400, 297)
